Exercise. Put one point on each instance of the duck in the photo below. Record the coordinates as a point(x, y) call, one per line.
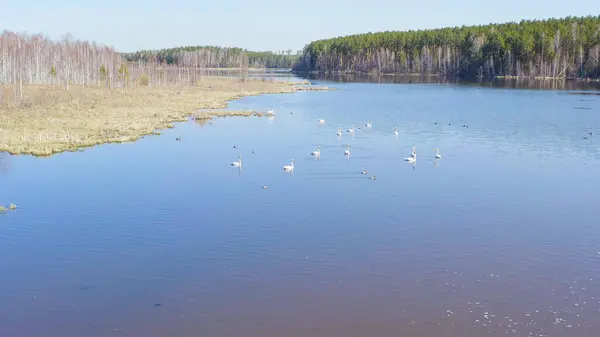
point(321, 120)
point(365, 172)
point(12, 206)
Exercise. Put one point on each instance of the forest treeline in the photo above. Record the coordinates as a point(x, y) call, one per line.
point(563, 48)
point(36, 59)
point(215, 57)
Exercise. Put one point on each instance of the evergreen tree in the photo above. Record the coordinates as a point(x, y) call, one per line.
point(567, 47)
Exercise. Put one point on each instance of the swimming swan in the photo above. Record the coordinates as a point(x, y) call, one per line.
point(237, 163)
point(413, 156)
point(317, 152)
point(289, 167)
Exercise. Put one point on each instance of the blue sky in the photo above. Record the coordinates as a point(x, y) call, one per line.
point(129, 25)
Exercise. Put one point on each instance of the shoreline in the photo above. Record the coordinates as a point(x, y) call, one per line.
point(257, 70)
point(499, 77)
point(52, 120)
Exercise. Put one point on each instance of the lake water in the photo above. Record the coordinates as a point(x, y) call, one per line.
point(499, 237)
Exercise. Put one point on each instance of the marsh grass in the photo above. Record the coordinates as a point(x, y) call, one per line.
point(49, 120)
point(214, 113)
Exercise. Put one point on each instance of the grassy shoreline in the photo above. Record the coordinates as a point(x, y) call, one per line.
point(50, 120)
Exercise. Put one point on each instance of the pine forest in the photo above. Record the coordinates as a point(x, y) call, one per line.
point(553, 48)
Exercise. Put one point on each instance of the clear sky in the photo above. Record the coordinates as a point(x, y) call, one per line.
point(129, 25)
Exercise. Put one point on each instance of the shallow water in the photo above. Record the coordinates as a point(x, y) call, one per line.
point(165, 238)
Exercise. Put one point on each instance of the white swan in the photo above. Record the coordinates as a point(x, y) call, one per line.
point(437, 153)
point(322, 120)
point(339, 133)
point(369, 125)
point(289, 167)
point(271, 112)
point(237, 163)
point(347, 151)
point(317, 152)
point(413, 156)
point(351, 130)
point(395, 131)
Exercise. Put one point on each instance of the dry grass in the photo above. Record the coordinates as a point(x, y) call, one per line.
point(213, 113)
point(50, 120)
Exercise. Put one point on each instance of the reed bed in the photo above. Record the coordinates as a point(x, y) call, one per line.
point(49, 119)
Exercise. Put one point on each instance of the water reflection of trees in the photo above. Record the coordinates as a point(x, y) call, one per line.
point(495, 83)
point(4, 163)
point(201, 121)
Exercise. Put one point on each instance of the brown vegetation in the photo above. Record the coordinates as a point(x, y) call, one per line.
point(49, 119)
point(62, 96)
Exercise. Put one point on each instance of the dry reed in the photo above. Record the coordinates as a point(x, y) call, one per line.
point(49, 120)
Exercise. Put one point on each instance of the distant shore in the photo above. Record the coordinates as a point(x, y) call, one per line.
point(444, 76)
point(258, 70)
point(50, 119)
point(499, 77)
